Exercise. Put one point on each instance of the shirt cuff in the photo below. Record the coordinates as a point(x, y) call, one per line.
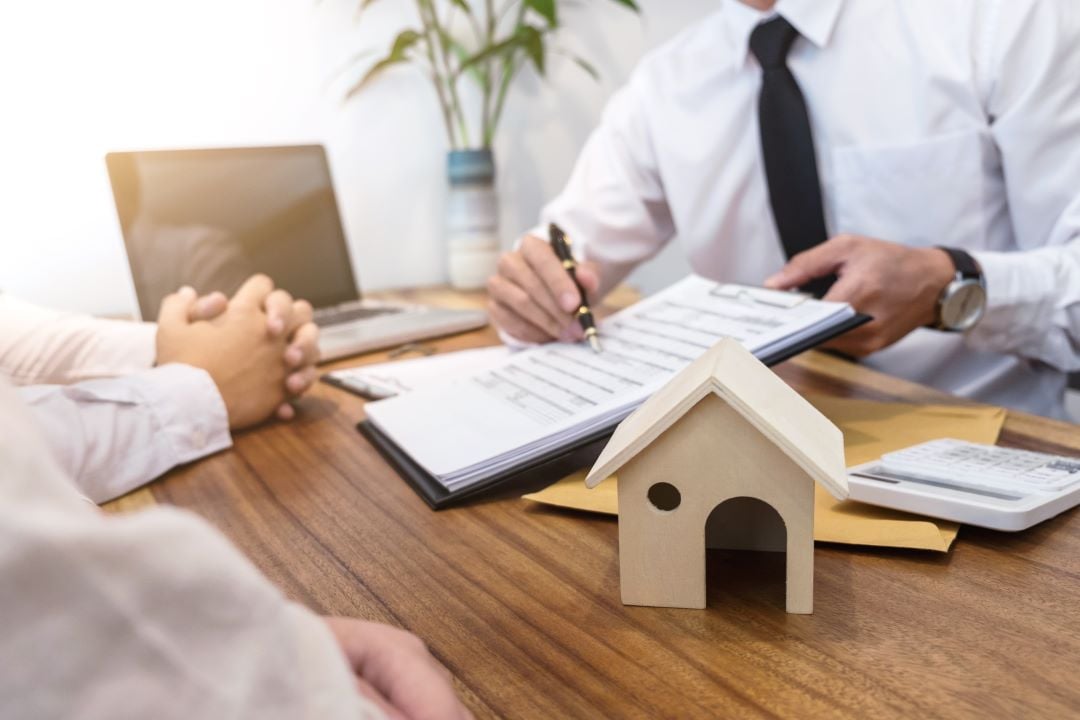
point(1020, 292)
point(543, 231)
point(512, 342)
point(540, 231)
point(189, 410)
point(183, 419)
point(324, 671)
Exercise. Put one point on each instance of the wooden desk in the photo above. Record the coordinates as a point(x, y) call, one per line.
point(521, 602)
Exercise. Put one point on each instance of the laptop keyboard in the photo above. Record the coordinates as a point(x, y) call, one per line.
point(332, 316)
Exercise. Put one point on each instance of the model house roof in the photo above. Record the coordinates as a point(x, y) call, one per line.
point(731, 372)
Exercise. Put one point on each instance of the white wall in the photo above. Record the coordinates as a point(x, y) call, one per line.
point(82, 77)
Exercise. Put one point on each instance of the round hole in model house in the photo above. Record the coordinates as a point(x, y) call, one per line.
point(664, 496)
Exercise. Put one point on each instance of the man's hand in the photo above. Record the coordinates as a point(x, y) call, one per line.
point(395, 671)
point(284, 316)
point(898, 285)
point(245, 349)
point(532, 296)
point(292, 319)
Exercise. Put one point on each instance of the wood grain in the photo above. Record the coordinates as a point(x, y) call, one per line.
point(521, 602)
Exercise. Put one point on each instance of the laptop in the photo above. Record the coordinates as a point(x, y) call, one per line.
point(211, 218)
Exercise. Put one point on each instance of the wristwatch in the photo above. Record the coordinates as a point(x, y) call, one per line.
point(963, 301)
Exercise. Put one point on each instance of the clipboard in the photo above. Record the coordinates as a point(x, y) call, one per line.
point(545, 470)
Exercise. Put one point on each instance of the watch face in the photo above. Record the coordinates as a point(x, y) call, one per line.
point(963, 306)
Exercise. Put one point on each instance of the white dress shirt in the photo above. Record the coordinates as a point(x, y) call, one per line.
point(148, 615)
point(935, 123)
point(117, 432)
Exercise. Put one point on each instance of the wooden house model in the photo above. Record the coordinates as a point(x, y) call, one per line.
point(711, 460)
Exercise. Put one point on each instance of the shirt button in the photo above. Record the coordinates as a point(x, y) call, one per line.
point(198, 439)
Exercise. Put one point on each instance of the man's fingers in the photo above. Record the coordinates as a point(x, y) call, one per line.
point(510, 295)
point(859, 342)
point(366, 690)
point(590, 281)
point(517, 270)
point(208, 307)
point(397, 666)
point(847, 288)
point(254, 291)
point(820, 261)
point(303, 346)
point(572, 334)
point(543, 261)
point(514, 325)
point(302, 314)
point(176, 308)
point(279, 311)
point(299, 382)
point(285, 411)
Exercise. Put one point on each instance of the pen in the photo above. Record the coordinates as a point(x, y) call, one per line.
point(561, 245)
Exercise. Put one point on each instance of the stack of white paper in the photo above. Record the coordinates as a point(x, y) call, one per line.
point(539, 401)
point(387, 379)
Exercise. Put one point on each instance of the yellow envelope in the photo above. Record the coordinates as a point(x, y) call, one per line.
point(870, 429)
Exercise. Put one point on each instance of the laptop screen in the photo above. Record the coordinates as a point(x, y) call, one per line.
point(212, 218)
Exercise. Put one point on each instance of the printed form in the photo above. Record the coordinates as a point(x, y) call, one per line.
point(540, 400)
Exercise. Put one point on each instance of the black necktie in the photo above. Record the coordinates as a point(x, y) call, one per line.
point(788, 147)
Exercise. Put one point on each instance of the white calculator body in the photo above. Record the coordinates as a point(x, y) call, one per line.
point(984, 485)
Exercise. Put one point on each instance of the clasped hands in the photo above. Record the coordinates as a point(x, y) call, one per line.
point(260, 347)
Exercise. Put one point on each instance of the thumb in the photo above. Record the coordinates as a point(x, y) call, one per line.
point(208, 307)
point(816, 262)
point(589, 279)
point(254, 291)
point(176, 308)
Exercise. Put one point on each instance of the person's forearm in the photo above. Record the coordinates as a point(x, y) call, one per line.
point(1033, 305)
point(1034, 294)
point(43, 346)
point(148, 614)
point(614, 205)
point(111, 436)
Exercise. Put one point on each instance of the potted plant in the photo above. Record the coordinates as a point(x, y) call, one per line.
point(496, 44)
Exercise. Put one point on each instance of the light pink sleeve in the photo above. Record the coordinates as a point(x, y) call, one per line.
point(43, 346)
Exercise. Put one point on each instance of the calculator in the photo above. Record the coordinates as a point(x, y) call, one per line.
point(984, 485)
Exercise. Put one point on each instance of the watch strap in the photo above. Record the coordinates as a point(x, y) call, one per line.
point(965, 265)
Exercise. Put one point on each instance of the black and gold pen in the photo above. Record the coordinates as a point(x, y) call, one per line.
point(561, 245)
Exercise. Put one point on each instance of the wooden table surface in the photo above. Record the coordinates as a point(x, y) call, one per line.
point(521, 602)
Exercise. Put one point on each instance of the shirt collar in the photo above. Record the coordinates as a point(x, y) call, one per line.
point(814, 19)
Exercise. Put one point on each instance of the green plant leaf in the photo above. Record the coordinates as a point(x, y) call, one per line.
point(462, 55)
point(399, 53)
point(625, 3)
point(546, 8)
point(502, 47)
point(461, 4)
point(532, 40)
point(587, 67)
point(405, 40)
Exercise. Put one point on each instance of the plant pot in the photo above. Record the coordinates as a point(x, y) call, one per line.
point(472, 218)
